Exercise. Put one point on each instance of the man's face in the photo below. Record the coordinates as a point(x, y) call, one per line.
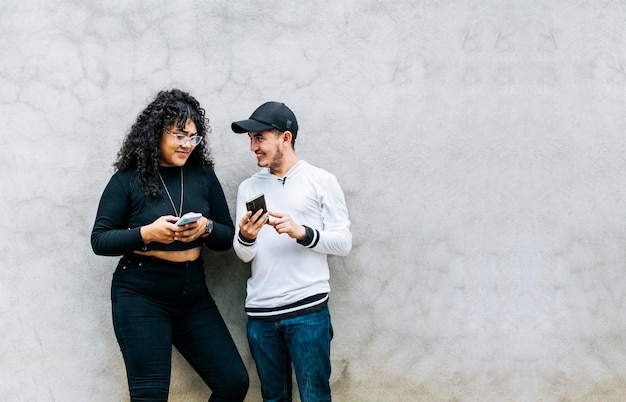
point(267, 146)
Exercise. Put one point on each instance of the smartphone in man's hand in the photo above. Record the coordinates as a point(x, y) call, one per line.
point(257, 203)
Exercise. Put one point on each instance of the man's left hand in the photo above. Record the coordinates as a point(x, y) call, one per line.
point(283, 223)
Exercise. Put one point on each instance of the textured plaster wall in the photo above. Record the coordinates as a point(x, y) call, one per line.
point(480, 145)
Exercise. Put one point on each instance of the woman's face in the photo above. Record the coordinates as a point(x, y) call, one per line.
point(172, 153)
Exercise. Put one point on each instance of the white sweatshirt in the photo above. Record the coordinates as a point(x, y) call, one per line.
point(286, 272)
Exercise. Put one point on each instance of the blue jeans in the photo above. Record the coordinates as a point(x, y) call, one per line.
point(157, 304)
point(303, 342)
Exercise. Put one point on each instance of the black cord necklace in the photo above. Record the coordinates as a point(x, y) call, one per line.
point(182, 191)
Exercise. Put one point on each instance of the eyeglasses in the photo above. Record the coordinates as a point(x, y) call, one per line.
point(182, 139)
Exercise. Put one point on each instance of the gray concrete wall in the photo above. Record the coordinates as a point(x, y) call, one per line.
point(480, 145)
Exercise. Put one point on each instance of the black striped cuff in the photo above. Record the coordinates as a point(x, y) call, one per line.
point(311, 238)
point(246, 242)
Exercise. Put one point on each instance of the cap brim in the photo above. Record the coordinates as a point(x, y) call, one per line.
point(245, 126)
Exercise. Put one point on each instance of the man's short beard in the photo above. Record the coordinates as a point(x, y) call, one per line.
point(277, 160)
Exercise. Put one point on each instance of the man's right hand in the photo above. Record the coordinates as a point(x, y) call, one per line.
point(250, 225)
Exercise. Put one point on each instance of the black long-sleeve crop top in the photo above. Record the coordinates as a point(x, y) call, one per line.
point(123, 210)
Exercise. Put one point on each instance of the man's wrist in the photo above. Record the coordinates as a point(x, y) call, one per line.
point(308, 237)
point(302, 234)
point(245, 241)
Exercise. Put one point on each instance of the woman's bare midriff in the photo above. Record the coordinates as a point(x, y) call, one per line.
point(174, 256)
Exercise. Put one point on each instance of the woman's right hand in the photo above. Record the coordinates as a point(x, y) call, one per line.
point(161, 230)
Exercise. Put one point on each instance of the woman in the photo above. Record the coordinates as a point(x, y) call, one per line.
point(159, 295)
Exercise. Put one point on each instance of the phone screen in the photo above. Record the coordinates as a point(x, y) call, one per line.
point(188, 218)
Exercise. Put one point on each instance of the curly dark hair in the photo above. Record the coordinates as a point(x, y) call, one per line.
point(141, 151)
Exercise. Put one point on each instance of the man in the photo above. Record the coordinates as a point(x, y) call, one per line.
point(287, 294)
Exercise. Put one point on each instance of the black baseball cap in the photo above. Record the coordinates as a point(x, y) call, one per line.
point(266, 117)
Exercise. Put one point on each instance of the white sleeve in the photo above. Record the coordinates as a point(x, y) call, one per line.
point(245, 250)
point(335, 237)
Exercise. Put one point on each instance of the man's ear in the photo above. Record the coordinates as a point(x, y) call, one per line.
point(287, 137)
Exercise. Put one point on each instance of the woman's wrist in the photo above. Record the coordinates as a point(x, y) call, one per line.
point(144, 231)
point(208, 228)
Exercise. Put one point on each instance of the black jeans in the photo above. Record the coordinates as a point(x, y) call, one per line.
point(157, 304)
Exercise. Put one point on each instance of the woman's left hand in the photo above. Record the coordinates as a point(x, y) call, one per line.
point(192, 231)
